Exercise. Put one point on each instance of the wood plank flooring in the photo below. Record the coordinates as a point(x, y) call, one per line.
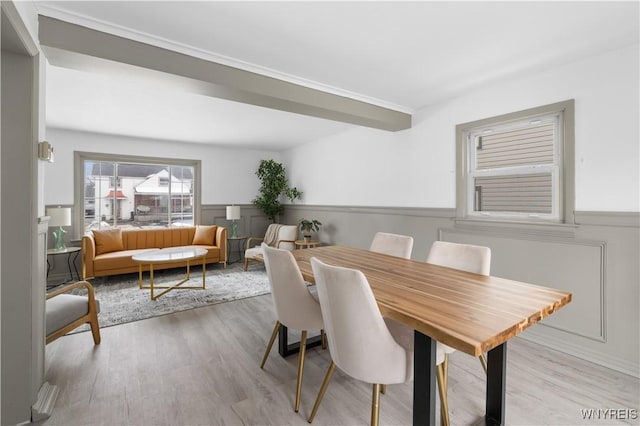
point(201, 367)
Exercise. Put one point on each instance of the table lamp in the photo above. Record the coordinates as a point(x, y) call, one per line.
point(233, 214)
point(59, 216)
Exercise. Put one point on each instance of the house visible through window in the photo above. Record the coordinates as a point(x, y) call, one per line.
point(517, 166)
point(137, 193)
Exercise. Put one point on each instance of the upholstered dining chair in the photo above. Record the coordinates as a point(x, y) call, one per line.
point(65, 312)
point(465, 257)
point(362, 343)
point(392, 244)
point(277, 235)
point(294, 306)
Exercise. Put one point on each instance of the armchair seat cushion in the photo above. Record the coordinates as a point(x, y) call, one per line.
point(251, 252)
point(65, 309)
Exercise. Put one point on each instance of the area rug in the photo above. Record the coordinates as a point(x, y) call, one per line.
point(121, 300)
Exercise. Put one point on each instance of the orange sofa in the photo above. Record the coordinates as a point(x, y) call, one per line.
point(109, 252)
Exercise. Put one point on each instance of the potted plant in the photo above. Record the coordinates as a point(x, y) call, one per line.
point(273, 185)
point(308, 226)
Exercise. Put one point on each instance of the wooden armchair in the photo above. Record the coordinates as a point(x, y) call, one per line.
point(278, 236)
point(64, 312)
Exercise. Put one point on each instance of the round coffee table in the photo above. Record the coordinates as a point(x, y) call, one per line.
point(169, 255)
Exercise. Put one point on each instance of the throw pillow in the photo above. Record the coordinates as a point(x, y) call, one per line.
point(108, 240)
point(204, 235)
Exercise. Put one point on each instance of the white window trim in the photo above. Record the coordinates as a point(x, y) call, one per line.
point(562, 170)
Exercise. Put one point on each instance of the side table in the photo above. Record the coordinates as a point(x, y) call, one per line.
point(241, 244)
point(306, 243)
point(72, 255)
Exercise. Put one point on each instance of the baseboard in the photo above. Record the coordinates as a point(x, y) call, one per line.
point(43, 407)
point(580, 351)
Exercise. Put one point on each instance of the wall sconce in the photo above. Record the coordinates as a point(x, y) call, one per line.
point(45, 151)
point(233, 214)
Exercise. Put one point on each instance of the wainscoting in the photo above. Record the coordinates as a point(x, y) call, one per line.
point(596, 260)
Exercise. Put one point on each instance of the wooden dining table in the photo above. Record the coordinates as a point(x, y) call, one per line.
point(472, 313)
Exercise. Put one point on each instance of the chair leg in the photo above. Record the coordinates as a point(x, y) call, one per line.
point(445, 370)
point(95, 329)
point(442, 388)
point(483, 361)
point(303, 351)
point(323, 389)
point(271, 340)
point(375, 405)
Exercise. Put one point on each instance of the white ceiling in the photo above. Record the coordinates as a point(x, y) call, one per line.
point(401, 55)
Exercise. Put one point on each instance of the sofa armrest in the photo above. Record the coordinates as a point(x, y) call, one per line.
point(221, 241)
point(88, 256)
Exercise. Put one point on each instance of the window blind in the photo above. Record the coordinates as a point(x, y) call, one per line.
point(523, 146)
point(528, 193)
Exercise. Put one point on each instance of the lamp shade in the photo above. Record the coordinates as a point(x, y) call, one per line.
point(59, 216)
point(233, 212)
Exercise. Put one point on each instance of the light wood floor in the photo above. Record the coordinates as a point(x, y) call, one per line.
point(201, 367)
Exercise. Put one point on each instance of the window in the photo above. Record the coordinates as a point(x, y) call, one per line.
point(518, 167)
point(126, 191)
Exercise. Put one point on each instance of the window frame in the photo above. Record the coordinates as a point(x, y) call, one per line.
point(79, 175)
point(563, 178)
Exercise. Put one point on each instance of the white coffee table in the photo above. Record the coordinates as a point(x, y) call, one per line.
point(169, 255)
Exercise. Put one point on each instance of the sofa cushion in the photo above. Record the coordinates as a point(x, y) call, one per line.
point(108, 240)
point(204, 235)
point(117, 259)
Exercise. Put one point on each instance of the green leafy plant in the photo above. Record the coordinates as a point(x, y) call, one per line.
point(274, 184)
point(309, 226)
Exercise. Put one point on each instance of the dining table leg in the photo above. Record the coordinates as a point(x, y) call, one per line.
point(496, 384)
point(424, 380)
point(285, 348)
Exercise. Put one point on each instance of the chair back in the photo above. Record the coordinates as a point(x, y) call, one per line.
point(392, 244)
point(288, 233)
point(465, 257)
point(276, 232)
point(294, 305)
point(359, 341)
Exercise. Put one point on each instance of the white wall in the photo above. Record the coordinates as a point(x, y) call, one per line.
point(227, 174)
point(416, 167)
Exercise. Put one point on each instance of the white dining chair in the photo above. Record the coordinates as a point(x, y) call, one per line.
point(362, 343)
point(464, 257)
point(295, 307)
point(392, 244)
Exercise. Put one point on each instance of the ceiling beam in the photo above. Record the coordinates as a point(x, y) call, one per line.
point(74, 46)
